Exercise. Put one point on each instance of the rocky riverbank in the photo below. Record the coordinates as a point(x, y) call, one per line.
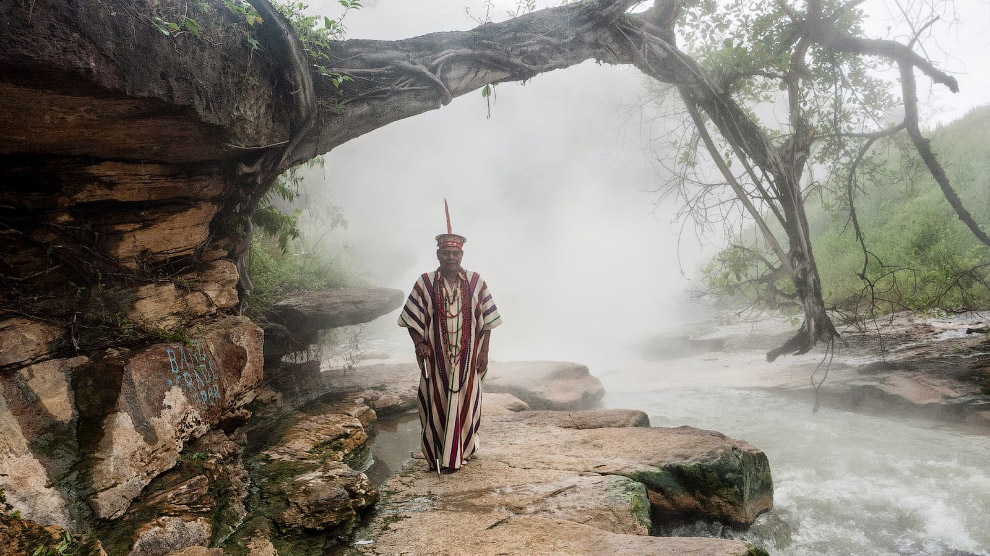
point(906, 365)
point(549, 481)
point(546, 481)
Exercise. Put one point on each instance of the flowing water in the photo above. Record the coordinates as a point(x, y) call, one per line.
point(845, 484)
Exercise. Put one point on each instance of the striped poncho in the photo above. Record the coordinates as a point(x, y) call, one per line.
point(452, 319)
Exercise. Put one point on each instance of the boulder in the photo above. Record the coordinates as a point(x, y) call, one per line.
point(327, 436)
point(500, 404)
point(546, 384)
point(169, 394)
point(167, 535)
point(326, 497)
point(303, 315)
point(25, 340)
point(536, 487)
point(689, 473)
point(306, 476)
point(198, 501)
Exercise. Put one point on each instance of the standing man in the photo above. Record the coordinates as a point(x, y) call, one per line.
point(449, 315)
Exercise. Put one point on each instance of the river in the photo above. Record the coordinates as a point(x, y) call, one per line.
point(845, 484)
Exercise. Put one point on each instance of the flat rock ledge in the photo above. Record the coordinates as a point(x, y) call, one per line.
point(572, 483)
point(294, 323)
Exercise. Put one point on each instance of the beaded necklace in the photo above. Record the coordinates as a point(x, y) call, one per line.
point(452, 306)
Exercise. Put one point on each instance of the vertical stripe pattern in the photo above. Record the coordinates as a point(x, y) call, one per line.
point(450, 390)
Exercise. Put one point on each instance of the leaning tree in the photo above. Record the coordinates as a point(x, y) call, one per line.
point(212, 101)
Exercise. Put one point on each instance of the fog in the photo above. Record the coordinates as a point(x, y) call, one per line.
point(555, 192)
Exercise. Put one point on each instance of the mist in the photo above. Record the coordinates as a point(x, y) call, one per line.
point(556, 193)
point(554, 186)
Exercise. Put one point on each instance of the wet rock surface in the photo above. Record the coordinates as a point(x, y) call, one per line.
point(538, 488)
point(902, 364)
point(309, 488)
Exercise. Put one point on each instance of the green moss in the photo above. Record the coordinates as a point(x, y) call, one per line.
point(756, 551)
point(633, 494)
point(733, 480)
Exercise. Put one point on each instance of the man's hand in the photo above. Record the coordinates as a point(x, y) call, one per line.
point(423, 351)
point(482, 363)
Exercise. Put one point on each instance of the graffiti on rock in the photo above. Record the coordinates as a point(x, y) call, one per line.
point(192, 368)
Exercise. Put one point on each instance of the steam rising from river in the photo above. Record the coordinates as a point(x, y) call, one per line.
point(554, 193)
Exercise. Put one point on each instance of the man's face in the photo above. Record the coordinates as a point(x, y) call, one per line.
point(450, 258)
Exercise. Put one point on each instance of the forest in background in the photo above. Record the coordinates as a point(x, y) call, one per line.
point(918, 255)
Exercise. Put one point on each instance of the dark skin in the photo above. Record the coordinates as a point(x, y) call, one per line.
point(450, 268)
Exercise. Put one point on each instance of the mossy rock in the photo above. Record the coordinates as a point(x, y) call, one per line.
point(733, 489)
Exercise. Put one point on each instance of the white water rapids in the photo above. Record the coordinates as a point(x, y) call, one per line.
point(844, 484)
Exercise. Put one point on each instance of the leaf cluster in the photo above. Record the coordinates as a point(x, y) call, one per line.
point(316, 32)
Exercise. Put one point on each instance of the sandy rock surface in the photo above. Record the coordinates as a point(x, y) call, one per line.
point(169, 395)
point(537, 487)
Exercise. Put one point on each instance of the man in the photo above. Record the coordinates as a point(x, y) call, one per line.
point(450, 314)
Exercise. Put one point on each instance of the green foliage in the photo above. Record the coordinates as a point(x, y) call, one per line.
point(192, 457)
point(315, 32)
point(64, 547)
point(304, 257)
point(921, 256)
point(277, 274)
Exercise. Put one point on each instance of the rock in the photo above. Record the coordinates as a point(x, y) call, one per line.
point(304, 315)
point(326, 497)
point(207, 487)
point(590, 419)
point(546, 384)
point(499, 404)
point(538, 488)
point(190, 295)
point(327, 437)
point(166, 535)
point(386, 388)
point(49, 381)
point(279, 342)
point(197, 551)
point(675, 347)
point(25, 340)
point(487, 535)
point(24, 479)
point(261, 546)
point(157, 233)
point(21, 537)
point(306, 478)
point(170, 394)
point(690, 473)
point(611, 503)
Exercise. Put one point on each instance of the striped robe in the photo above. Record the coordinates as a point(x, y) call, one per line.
point(450, 394)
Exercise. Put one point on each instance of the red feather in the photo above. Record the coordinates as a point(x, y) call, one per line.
point(447, 211)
